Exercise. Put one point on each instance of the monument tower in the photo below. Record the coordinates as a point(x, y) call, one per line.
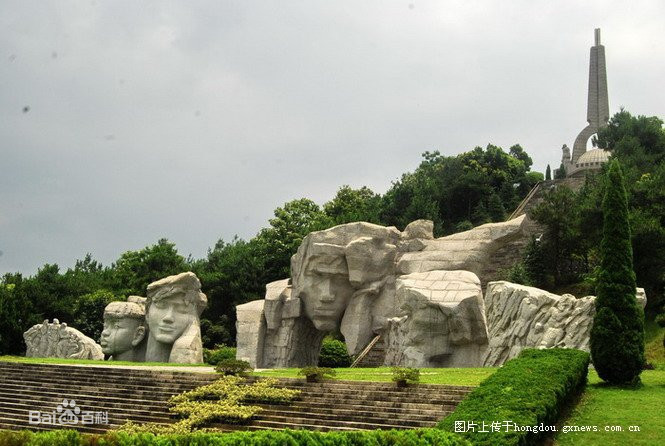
point(598, 113)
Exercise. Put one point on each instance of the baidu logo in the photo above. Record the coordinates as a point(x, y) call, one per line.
point(67, 414)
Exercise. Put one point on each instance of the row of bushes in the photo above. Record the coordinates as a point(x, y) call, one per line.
point(416, 437)
point(525, 397)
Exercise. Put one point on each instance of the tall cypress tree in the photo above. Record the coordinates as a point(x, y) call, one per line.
point(548, 173)
point(617, 334)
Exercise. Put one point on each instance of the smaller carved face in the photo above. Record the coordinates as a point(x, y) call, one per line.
point(121, 334)
point(168, 318)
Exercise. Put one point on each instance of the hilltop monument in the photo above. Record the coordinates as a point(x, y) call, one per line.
point(598, 113)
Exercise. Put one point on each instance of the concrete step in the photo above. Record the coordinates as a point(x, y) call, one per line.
point(54, 386)
point(364, 417)
point(366, 410)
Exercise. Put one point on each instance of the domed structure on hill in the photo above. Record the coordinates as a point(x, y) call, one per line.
point(582, 160)
point(591, 160)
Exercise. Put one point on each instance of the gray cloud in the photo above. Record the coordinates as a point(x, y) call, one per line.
point(194, 120)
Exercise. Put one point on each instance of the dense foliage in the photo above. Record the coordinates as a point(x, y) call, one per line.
point(527, 391)
point(415, 437)
point(617, 334)
point(219, 353)
point(334, 354)
point(569, 250)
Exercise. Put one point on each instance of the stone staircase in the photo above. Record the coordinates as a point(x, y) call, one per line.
point(141, 396)
point(125, 394)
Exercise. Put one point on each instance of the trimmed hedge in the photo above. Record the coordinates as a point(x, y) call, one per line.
point(528, 391)
point(416, 437)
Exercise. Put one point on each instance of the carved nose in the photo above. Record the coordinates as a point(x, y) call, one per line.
point(168, 316)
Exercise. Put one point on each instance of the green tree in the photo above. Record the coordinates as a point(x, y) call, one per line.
point(480, 215)
point(89, 312)
point(535, 264)
point(16, 315)
point(351, 205)
point(617, 334)
point(558, 212)
point(548, 173)
point(134, 270)
point(495, 208)
point(291, 224)
point(561, 173)
point(231, 274)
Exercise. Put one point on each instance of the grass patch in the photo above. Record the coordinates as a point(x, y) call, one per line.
point(654, 349)
point(92, 361)
point(604, 405)
point(454, 377)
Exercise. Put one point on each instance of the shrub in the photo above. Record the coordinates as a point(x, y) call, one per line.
point(660, 319)
point(223, 400)
point(260, 438)
point(403, 375)
point(316, 374)
point(334, 354)
point(233, 367)
point(219, 353)
point(527, 391)
point(617, 334)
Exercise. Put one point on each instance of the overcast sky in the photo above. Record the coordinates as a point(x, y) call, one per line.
point(122, 122)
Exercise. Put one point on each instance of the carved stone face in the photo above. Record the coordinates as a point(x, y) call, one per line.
point(169, 317)
point(325, 290)
point(121, 334)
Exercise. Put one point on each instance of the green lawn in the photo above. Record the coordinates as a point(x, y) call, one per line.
point(457, 377)
point(602, 405)
point(92, 361)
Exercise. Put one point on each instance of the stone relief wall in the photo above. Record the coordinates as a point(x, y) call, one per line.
point(520, 317)
point(57, 340)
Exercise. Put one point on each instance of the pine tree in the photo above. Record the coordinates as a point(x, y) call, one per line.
point(480, 215)
point(548, 173)
point(561, 173)
point(495, 208)
point(617, 334)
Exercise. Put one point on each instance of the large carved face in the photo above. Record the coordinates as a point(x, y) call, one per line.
point(325, 289)
point(169, 317)
point(121, 334)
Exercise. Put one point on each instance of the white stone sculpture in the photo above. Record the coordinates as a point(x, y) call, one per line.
point(57, 340)
point(470, 250)
point(124, 330)
point(441, 321)
point(520, 317)
point(173, 307)
point(344, 278)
